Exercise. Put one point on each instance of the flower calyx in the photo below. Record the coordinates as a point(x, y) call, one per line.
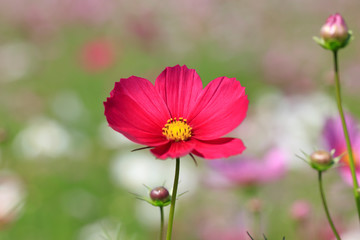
point(158, 196)
point(321, 160)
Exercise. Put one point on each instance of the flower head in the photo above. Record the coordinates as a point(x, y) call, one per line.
point(177, 116)
point(160, 194)
point(334, 139)
point(334, 29)
point(334, 33)
point(321, 160)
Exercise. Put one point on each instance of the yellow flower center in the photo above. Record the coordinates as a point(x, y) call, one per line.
point(177, 130)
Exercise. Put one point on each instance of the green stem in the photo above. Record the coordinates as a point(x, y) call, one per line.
point(326, 207)
point(173, 200)
point(161, 222)
point(346, 134)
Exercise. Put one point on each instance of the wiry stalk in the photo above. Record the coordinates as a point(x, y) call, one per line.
point(346, 134)
point(173, 200)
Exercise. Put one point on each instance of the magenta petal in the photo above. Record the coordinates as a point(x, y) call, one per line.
point(173, 149)
point(345, 173)
point(179, 87)
point(136, 110)
point(220, 108)
point(218, 148)
point(334, 136)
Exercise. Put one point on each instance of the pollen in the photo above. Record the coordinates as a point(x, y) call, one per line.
point(177, 129)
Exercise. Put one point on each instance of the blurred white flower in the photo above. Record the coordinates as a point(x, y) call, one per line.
point(352, 235)
point(133, 169)
point(292, 123)
point(12, 194)
point(112, 139)
point(17, 59)
point(149, 215)
point(42, 138)
point(68, 107)
point(104, 229)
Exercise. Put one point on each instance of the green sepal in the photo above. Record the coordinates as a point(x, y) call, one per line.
point(334, 45)
point(321, 167)
point(156, 203)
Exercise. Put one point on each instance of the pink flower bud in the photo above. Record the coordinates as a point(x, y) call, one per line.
point(335, 29)
point(321, 157)
point(160, 194)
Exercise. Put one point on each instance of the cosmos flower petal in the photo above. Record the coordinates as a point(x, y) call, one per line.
point(179, 87)
point(218, 148)
point(173, 149)
point(334, 135)
point(220, 108)
point(136, 110)
point(345, 173)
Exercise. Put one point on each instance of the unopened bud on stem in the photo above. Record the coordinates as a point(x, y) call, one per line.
point(160, 194)
point(321, 160)
point(334, 29)
point(334, 33)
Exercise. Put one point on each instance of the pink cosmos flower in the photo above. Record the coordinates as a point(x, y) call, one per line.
point(177, 116)
point(334, 139)
point(250, 171)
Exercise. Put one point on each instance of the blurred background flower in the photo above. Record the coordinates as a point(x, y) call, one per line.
point(248, 171)
point(334, 139)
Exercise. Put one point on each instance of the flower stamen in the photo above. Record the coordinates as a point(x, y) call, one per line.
point(177, 130)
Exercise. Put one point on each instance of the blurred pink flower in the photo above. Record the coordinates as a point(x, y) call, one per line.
point(334, 139)
point(247, 170)
point(300, 210)
point(97, 55)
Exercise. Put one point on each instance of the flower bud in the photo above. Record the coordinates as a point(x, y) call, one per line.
point(334, 33)
point(334, 29)
point(321, 160)
point(160, 194)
